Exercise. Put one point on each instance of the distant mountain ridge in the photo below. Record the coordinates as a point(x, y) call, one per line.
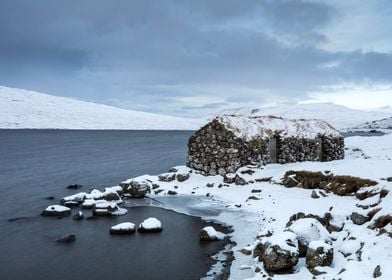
point(29, 109)
point(340, 117)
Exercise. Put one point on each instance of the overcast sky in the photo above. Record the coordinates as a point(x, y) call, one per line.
point(193, 58)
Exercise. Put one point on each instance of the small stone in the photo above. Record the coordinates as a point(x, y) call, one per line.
point(377, 272)
point(74, 186)
point(255, 191)
point(167, 177)
point(170, 192)
point(315, 195)
point(240, 181)
point(78, 216)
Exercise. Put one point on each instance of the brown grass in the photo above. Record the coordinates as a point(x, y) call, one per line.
point(340, 185)
point(382, 221)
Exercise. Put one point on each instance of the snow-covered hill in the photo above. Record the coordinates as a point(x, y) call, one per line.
point(383, 124)
point(28, 109)
point(340, 117)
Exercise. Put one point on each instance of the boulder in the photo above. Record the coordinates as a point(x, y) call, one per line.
point(181, 177)
point(240, 181)
point(210, 234)
point(139, 188)
point(308, 230)
point(359, 219)
point(112, 196)
point(229, 178)
point(67, 239)
point(170, 192)
point(150, 225)
point(279, 253)
point(123, 228)
point(319, 254)
point(57, 211)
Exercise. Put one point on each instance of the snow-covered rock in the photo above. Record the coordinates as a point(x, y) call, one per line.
point(308, 230)
point(56, 210)
point(319, 254)
point(210, 234)
point(123, 228)
point(78, 216)
point(138, 187)
point(29, 109)
point(150, 225)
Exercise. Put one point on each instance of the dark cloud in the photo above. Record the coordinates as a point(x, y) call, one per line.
point(157, 55)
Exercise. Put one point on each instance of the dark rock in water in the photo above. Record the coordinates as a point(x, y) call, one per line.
point(377, 272)
point(67, 239)
point(49, 198)
point(359, 219)
point(319, 254)
point(208, 234)
point(18, 219)
point(79, 216)
point(74, 187)
point(181, 177)
point(71, 203)
point(56, 211)
point(170, 192)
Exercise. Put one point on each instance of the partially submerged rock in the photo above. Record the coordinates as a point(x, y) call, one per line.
point(57, 211)
point(150, 225)
point(210, 234)
point(74, 186)
point(78, 216)
point(105, 208)
point(70, 238)
point(123, 228)
point(319, 254)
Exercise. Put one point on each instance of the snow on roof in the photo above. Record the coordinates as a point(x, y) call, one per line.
point(249, 128)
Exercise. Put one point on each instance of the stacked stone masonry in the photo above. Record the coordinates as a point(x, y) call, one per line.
point(215, 149)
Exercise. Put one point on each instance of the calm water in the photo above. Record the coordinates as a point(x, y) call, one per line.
point(35, 164)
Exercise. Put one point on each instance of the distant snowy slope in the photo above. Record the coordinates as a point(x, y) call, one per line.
point(383, 124)
point(340, 117)
point(28, 109)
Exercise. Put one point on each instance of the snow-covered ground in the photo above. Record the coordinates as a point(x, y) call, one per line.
point(340, 117)
point(382, 125)
point(261, 207)
point(29, 109)
point(260, 210)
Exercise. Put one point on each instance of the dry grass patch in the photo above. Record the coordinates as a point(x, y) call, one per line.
point(340, 185)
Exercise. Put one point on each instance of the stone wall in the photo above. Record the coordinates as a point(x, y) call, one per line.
point(214, 150)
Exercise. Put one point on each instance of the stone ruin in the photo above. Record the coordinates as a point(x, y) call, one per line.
point(231, 141)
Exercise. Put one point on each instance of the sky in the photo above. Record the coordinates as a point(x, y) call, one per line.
point(195, 58)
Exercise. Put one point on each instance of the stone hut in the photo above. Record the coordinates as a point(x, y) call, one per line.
point(229, 142)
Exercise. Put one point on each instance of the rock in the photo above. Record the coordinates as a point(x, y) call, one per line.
point(112, 196)
point(255, 191)
point(279, 253)
point(210, 185)
point(105, 208)
point(359, 219)
point(173, 170)
point(308, 230)
point(71, 203)
point(139, 188)
point(170, 192)
point(314, 195)
point(253, 198)
point(150, 225)
point(319, 254)
point(247, 251)
point(123, 228)
point(74, 187)
point(377, 272)
point(78, 216)
point(239, 181)
point(210, 234)
point(57, 211)
point(229, 178)
point(49, 198)
point(167, 177)
point(67, 239)
point(181, 177)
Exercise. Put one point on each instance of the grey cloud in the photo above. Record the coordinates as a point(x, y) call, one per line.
point(149, 54)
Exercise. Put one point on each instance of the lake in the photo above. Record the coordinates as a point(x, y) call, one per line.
point(35, 164)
